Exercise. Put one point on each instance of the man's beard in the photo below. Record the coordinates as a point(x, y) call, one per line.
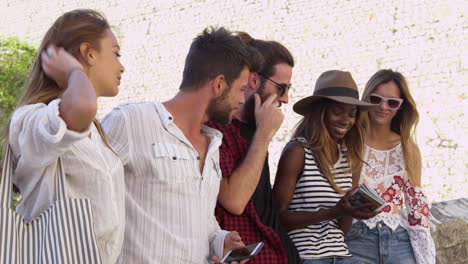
point(219, 109)
point(248, 110)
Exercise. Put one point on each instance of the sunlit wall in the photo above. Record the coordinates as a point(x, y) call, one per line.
point(425, 40)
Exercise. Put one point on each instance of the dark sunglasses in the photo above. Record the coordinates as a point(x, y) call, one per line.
point(393, 103)
point(282, 88)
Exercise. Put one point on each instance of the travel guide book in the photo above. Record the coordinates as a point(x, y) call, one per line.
point(364, 195)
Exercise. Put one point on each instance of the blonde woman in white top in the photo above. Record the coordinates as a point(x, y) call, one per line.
point(400, 233)
point(77, 63)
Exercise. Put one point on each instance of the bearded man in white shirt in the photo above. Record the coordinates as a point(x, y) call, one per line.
point(171, 159)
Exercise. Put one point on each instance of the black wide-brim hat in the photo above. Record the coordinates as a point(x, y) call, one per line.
point(334, 85)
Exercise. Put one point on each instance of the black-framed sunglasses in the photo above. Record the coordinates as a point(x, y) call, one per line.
point(282, 88)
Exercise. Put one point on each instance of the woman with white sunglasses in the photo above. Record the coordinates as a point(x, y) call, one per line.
point(400, 233)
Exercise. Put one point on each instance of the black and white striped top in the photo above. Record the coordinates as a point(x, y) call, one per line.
point(314, 193)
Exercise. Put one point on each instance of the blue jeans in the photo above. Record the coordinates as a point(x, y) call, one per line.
point(331, 261)
point(380, 244)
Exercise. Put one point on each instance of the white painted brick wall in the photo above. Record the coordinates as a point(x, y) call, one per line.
point(425, 40)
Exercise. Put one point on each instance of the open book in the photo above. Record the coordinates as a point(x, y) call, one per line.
point(365, 195)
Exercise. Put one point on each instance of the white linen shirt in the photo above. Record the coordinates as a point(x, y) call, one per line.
point(170, 203)
point(38, 136)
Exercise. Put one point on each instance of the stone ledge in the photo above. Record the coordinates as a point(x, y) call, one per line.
point(449, 227)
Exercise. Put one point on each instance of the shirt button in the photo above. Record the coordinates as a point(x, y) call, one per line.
point(170, 118)
point(174, 157)
point(198, 158)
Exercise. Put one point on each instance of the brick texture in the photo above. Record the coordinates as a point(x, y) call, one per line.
point(423, 39)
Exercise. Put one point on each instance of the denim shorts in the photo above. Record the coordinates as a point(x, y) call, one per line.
point(380, 244)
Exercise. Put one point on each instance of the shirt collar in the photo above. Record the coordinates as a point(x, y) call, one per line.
point(166, 117)
point(211, 132)
point(168, 121)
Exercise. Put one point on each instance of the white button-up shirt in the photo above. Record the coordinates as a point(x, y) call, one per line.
point(170, 203)
point(38, 137)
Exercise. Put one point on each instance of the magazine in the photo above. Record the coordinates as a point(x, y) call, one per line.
point(365, 195)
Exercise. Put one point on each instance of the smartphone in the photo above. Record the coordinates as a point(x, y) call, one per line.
point(242, 253)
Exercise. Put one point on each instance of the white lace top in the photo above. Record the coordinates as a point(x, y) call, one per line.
point(407, 205)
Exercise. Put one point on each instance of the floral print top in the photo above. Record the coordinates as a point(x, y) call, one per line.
point(406, 203)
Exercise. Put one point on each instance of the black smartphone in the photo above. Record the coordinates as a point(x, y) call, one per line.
point(242, 253)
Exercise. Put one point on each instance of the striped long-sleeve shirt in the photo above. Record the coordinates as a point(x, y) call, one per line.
point(170, 203)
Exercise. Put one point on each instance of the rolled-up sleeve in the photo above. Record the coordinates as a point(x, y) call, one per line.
point(38, 136)
point(217, 239)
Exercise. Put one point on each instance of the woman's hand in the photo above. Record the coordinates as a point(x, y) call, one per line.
point(79, 102)
point(344, 207)
point(58, 64)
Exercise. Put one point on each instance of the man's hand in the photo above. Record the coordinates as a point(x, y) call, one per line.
point(231, 241)
point(268, 115)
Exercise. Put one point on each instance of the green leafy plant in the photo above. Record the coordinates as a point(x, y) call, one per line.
point(16, 58)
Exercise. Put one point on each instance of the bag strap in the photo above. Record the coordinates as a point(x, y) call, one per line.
point(60, 190)
point(7, 175)
point(5, 179)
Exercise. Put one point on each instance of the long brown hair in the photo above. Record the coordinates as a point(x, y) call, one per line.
point(404, 122)
point(69, 31)
point(312, 127)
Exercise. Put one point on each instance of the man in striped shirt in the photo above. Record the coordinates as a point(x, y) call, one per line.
point(171, 159)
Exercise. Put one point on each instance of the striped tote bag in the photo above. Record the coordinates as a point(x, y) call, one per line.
point(64, 233)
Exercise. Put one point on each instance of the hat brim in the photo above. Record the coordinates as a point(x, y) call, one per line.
point(304, 105)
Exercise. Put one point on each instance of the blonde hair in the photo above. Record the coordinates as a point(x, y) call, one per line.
point(69, 31)
point(404, 122)
point(312, 127)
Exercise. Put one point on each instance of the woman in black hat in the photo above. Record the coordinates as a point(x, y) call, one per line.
point(316, 167)
point(393, 169)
